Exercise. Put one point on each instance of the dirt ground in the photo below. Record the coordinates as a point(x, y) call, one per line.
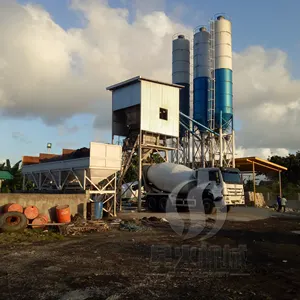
point(121, 265)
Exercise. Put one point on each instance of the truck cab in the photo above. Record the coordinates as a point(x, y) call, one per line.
point(225, 187)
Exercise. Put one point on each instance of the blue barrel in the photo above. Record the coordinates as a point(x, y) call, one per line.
point(98, 210)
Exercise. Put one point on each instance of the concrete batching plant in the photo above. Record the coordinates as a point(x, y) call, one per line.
point(211, 121)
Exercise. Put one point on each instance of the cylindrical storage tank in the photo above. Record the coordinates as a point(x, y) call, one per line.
point(13, 207)
point(169, 177)
point(181, 72)
point(223, 71)
point(31, 212)
point(201, 75)
point(63, 214)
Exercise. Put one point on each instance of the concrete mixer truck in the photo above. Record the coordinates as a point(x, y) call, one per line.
point(169, 185)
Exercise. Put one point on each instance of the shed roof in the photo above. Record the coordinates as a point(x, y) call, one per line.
point(245, 164)
point(138, 79)
point(5, 175)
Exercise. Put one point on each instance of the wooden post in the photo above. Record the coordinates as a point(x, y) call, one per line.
point(280, 188)
point(254, 188)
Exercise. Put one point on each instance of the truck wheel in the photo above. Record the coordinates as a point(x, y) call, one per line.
point(152, 204)
point(162, 204)
point(13, 221)
point(209, 207)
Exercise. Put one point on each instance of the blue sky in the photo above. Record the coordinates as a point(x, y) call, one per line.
point(268, 23)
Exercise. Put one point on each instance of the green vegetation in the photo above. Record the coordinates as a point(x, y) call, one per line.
point(292, 162)
point(29, 236)
point(132, 173)
point(10, 186)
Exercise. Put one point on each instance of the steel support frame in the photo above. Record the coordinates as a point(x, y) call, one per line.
point(105, 192)
point(223, 150)
point(153, 149)
point(183, 155)
point(146, 144)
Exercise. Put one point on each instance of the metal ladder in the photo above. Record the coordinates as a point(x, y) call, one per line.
point(212, 85)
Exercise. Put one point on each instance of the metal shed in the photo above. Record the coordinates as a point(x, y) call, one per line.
point(255, 164)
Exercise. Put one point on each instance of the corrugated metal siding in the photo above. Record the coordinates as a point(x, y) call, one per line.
point(126, 96)
point(154, 97)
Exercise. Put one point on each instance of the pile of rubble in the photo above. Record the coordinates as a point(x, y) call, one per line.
point(79, 226)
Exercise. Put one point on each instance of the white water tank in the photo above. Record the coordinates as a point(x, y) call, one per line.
point(168, 176)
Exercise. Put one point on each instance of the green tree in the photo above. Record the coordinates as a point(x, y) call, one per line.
point(290, 178)
point(16, 183)
point(132, 172)
point(292, 163)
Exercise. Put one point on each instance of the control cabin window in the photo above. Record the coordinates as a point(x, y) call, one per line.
point(163, 114)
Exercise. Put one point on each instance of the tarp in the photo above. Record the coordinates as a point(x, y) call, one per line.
point(5, 175)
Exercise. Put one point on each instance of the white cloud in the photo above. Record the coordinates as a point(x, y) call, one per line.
point(266, 100)
point(261, 152)
point(51, 73)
